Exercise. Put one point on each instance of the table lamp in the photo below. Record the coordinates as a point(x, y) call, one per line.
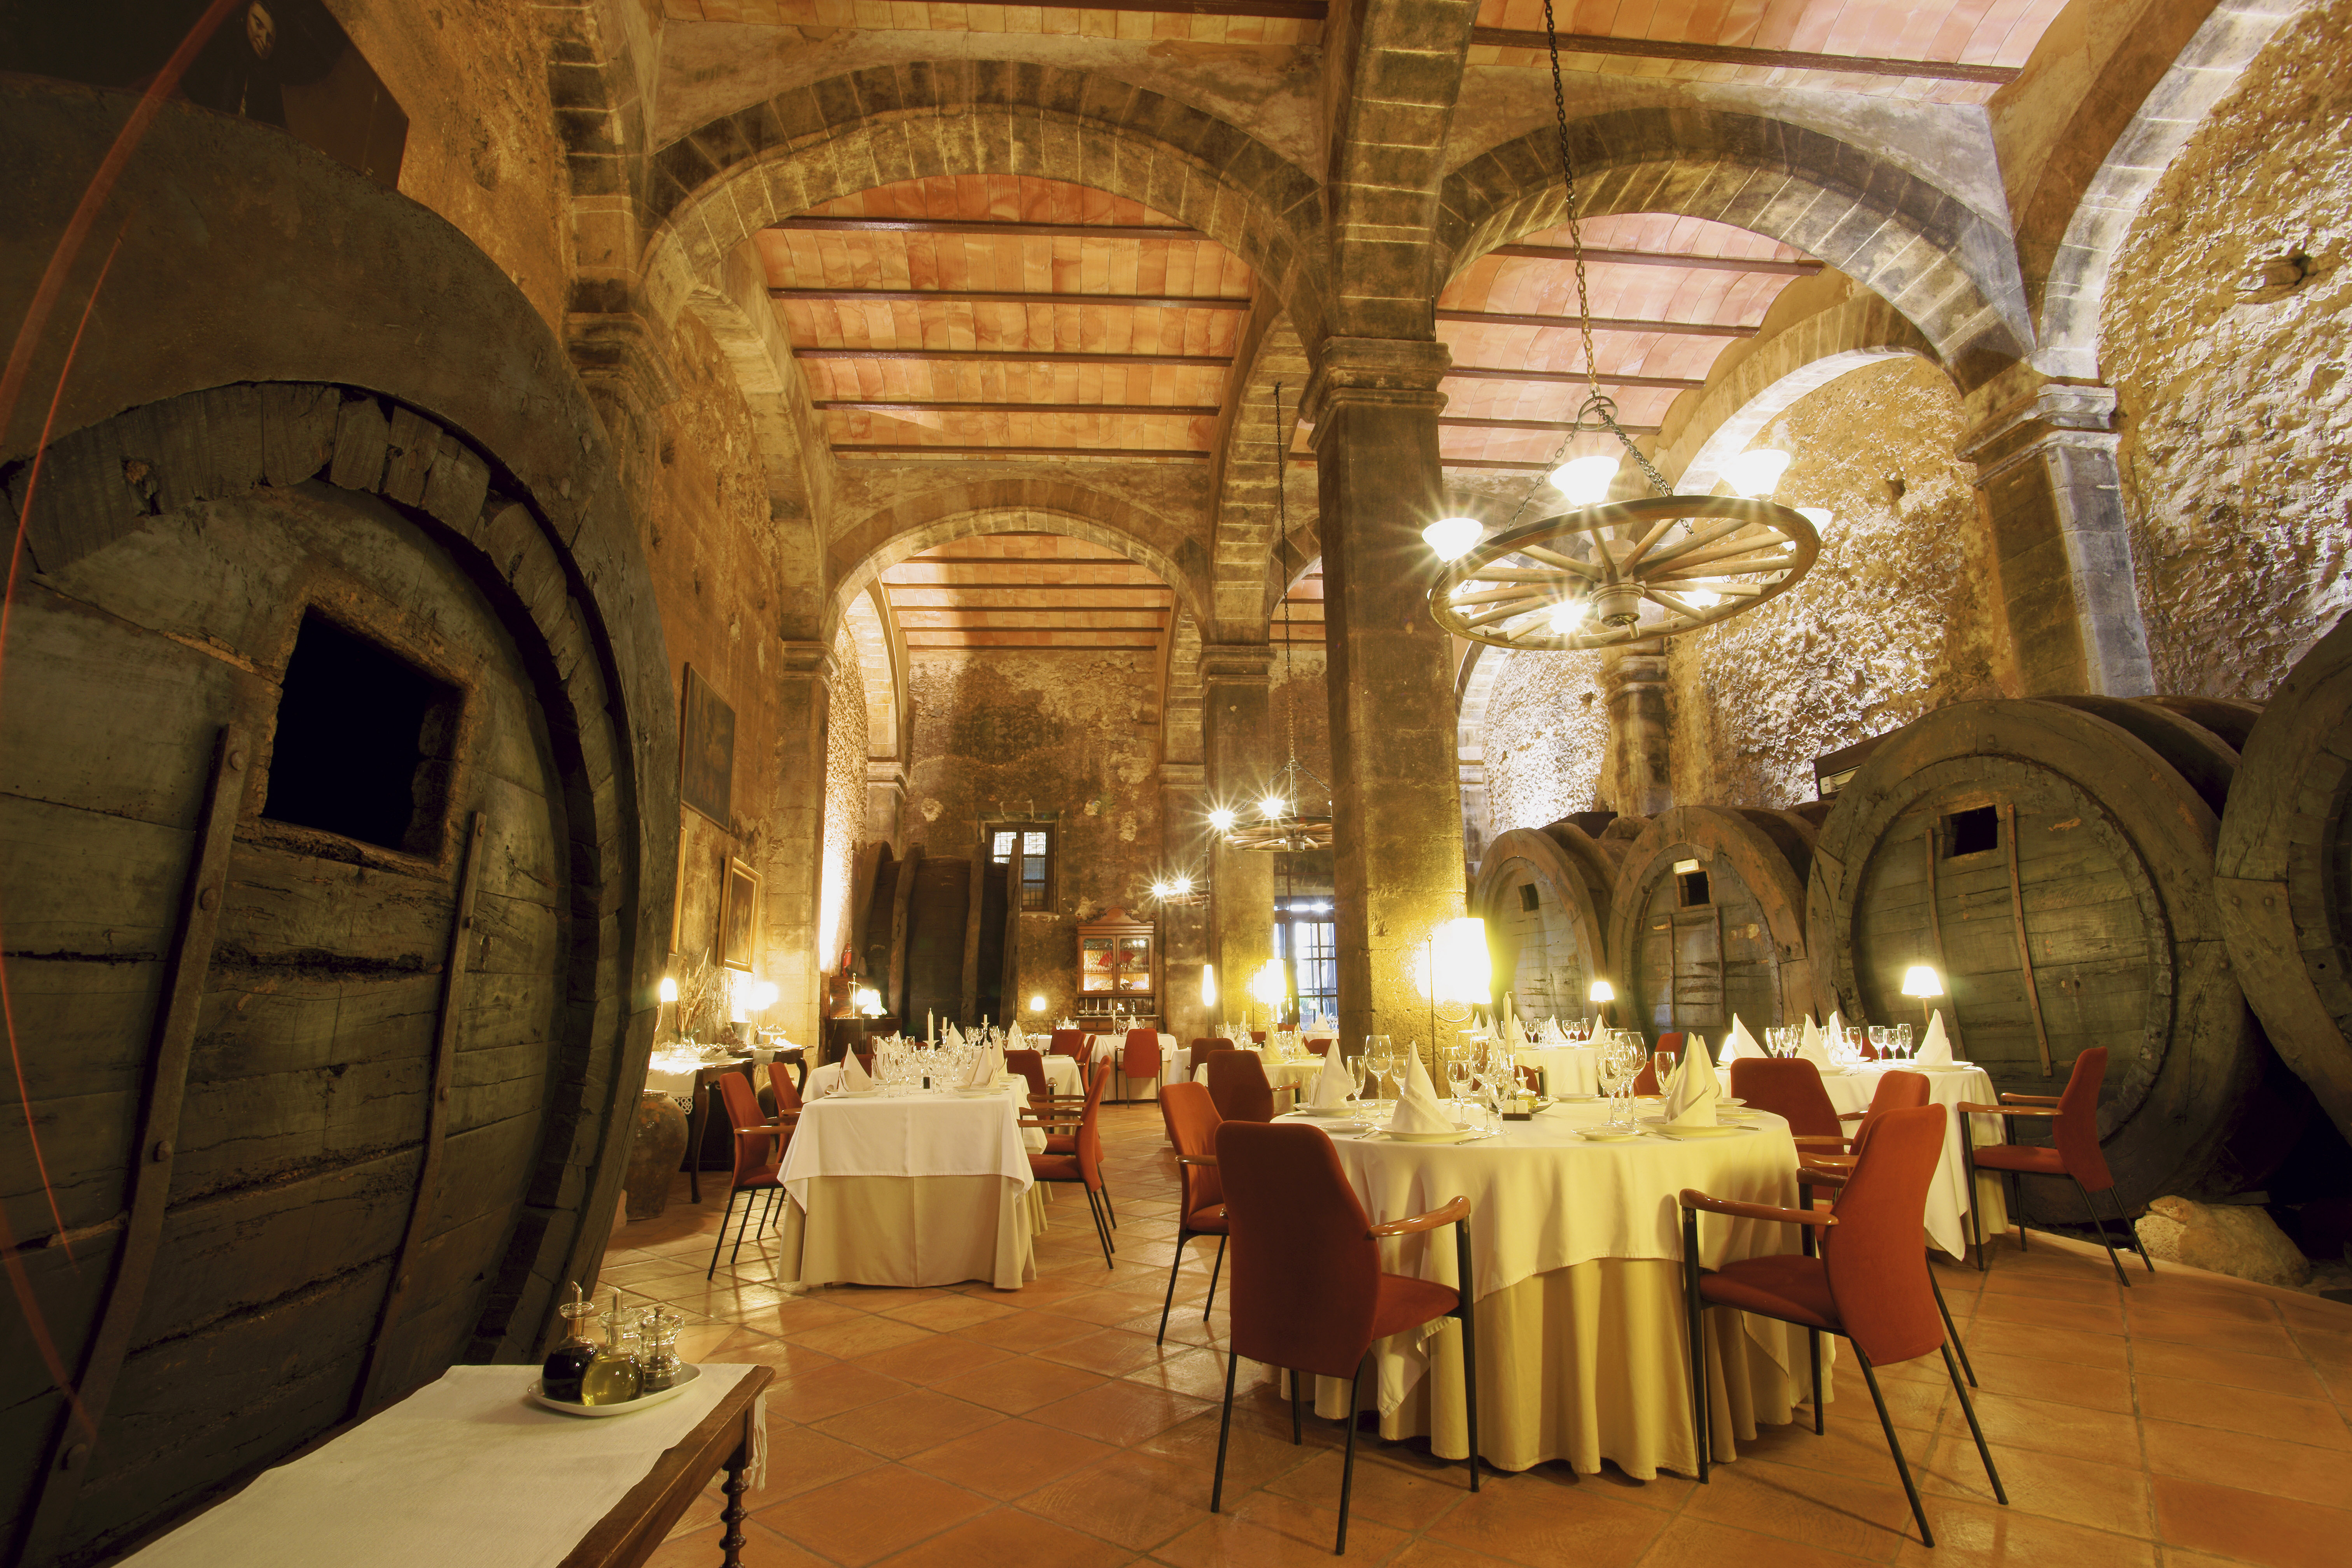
point(1601, 996)
point(667, 993)
point(1922, 982)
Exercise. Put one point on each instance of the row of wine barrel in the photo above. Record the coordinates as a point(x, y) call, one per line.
point(934, 935)
point(2081, 871)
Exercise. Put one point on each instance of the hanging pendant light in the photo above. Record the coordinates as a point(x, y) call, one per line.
point(1606, 573)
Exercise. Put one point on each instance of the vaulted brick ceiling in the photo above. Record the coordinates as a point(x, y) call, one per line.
point(1019, 590)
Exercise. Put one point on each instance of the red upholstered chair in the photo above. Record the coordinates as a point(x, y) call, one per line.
point(2073, 1152)
point(1082, 1164)
point(1069, 1043)
point(1237, 1082)
point(1202, 1050)
point(1790, 1088)
point(1319, 1044)
point(1192, 1123)
point(787, 1091)
point(1864, 1287)
point(1030, 1064)
point(1139, 1059)
point(760, 1147)
point(1308, 1292)
point(1257, 1036)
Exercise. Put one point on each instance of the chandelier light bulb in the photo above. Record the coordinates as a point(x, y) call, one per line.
point(1567, 615)
point(1755, 473)
point(1161, 890)
point(1453, 537)
point(1586, 481)
point(1272, 808)
point(1184, 886)
point(1706, 598)
point(1222, 819)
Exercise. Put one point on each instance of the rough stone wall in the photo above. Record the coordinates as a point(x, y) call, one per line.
point(2236, 412)
point(1308, 708)
point(471, 75)
point(1897, 616)
point(1547, 727)
point(844, 797)
point(1066, 732)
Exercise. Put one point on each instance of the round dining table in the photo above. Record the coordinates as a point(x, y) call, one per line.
point(1948, 1199)
point(1577, 1247)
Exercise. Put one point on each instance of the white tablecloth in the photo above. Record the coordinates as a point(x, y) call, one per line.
point(1947, 1197)
point(1277, 1073)
point(674, 1075)
point(936, 1133)
point(1062, 1076)
point(463, 1470)
point(1567, 1070)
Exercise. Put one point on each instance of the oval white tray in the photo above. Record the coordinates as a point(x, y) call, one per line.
point(596, 1411)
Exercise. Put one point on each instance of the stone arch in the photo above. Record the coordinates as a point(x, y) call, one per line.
point(1802, 357)
point(860, 554)
point(1945, 267)
point(1180, 689)
point(2149, 100)
point(881, 659)
point(1244, 531)
point(711, 189)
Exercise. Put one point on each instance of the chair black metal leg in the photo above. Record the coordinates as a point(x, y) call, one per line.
point(1894, 1447)
point(1813, 1343)
point(2115, 1263)
point(1976, 1210)
point(1175, 1264)
point(1225, 1431)
point(1348, 1466)
point(1208, 1305)
point(2122, 1217)
point(724, 1215)
point(1694, 1314)
point(1464, 1309)
point(1102, 1232)
point(2017, 1207)
point(1107, 1206)
point(1969, 1409)
point(1951, 1333)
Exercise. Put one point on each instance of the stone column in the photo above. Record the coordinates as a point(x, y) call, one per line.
point(793, 861)
point(2046, 469)
point(1184, 846)
point(1237, 741)
point(1637, 767)
point(1396, 804)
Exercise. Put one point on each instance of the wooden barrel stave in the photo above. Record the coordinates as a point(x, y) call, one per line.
point(1693, 966)
point(2102, 850)
point(2283, 869)
point(938, 913)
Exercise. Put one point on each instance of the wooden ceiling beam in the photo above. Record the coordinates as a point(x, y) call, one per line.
point(908, 449)
point(1573, 377)
point(1662, 258)
point(1004, 297)
point(1019, 356)
point(982, 228)
point(1601, 324)
point(1737, 55)
point(1535, 425)
point(1207, 411)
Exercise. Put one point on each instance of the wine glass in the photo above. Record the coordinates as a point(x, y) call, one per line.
point(1615, 1070)
point(1881, 1040)
point(1458, 1073)
point(1382, 1052)
point(1903, 1041)
point(1356, 1066)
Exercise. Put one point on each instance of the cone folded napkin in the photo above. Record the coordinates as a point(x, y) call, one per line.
point(1691, 1101)
point(1333, 1084)
point(1936, 1049)
point(855, 1078)
point(1816, 1047)
point(1417, 1108)
point(1738, 1043)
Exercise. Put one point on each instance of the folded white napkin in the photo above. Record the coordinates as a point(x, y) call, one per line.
point(1936, 1049)
point(1691, 1101)
point(1835, 1029)
point(1014, 1040)
point(1815, 1047)
point(1417, 1108)
point(1513, 1034)
point(1738, 1043)
point(855, 1078)
point(980, 1074)
point(1332, 1085)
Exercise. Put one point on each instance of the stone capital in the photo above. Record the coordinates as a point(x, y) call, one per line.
point(1236, 664)
point(809, 658)
point(2037, 416)
point(1389, 372)
point(885, 774)
point(616, 350)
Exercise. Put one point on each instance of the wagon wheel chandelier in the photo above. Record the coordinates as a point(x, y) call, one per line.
point(1280, 826)
point(1607, 574)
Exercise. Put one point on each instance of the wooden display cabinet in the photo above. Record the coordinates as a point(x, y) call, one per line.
point(1118, 966)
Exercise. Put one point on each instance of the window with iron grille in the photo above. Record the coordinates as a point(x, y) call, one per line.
point(1307, 940)
point(1031, 844)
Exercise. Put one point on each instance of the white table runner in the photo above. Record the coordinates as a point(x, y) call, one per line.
point(939, 1134)
point(463, 1470)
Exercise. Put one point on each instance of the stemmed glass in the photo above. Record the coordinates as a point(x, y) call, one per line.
point(1881, 1040)
point(1356, 1066)
point(1380, 1053)
point(1458, 1073)
point(1616, 1070)
point(1903, 1041)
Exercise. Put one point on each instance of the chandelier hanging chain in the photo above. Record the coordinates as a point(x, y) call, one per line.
point(1282, 532)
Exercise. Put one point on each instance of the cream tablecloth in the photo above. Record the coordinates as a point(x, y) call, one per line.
point(1567, 1070)
point(910, 1189)
point(1947, 1196)
point(1062, 1076)
point(463, 1470)
point(1577, 1247)
point(1298, 1073)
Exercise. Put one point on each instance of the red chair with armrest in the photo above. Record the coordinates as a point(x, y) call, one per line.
point(1790, 1088)
point(1863, 1285)
point(1138, 1059)
point(2073, 1152)
point(1646, 1081)
point(1082, 1164)
point(760, 1147)
point(1192, 1123)
point(1069, 1043)
point(1237, 1082)
point(1307, 1293)
point(1031, 1065)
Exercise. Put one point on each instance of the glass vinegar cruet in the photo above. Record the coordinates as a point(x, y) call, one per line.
point(612, 1378)
point(560, 1375)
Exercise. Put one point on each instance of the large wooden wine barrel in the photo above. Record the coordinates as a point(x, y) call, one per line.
point(2052, 860)
point(1544, 894)
point(885, 927)
point(938, 913)
point(322, 892)
point(2283, 870)
point(1707, 919)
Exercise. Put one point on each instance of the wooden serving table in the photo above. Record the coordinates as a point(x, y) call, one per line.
point(464, 1470)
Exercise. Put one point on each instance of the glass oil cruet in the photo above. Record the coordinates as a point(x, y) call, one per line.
point(659, 1367)
point(560, 1377)
point(612, 1378)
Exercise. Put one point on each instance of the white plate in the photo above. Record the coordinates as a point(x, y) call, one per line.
point(971, 1093)
point(1611, 1134)
point(1342, 1111)
point(854, 1093)
point(1936, 1067)
point(1459, 1134)
point(1726, 1100)
point(1717, 1130)
point(593, 1412)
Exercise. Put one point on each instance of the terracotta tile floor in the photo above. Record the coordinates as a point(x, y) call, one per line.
point(2186, 1421)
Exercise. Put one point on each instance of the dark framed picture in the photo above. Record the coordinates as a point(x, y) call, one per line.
point(739, 915)
point(705, 776)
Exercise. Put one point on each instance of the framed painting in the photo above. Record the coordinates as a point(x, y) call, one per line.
point(739, 915)
point(705, 776)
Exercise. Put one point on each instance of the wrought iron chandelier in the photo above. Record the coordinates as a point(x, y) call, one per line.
point(1607, 573)
point(1278, 825)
